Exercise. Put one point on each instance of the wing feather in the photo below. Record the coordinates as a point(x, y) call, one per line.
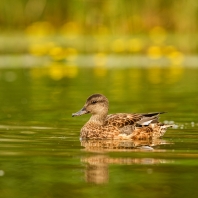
point(121, 120)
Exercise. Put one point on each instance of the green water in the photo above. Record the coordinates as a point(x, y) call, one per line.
point(40, 151)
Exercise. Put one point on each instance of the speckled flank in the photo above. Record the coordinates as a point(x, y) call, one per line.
point(121, 125)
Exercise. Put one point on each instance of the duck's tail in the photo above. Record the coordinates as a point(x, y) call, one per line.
point(163, 127)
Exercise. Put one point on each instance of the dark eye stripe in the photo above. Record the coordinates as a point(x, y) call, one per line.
point(96, 101)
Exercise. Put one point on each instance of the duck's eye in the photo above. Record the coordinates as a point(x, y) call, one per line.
point(93, 102)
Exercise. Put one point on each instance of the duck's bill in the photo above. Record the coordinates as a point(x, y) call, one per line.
point(81, 112)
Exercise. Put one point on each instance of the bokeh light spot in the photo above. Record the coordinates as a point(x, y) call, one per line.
point(154, 52)
point(42, 28)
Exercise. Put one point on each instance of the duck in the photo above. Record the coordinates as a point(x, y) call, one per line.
point(118, 126)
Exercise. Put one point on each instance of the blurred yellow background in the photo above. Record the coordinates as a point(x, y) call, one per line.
point(65, 28)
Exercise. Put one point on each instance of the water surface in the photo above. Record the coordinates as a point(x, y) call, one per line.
point(41, 155)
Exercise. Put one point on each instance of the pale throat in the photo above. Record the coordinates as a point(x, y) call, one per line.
point(98, 119)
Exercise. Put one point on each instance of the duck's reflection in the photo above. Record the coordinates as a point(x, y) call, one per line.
point(120, 145)
point(97, 170)
point(97, 166)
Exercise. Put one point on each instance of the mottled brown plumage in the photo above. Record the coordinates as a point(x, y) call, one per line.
point(118, 126)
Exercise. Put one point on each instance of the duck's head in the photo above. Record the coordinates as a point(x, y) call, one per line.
point(96, 104)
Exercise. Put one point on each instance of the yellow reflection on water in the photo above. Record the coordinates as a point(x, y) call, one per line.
point(72, 70)
point(134, 79)
point(117, 83)
point(100, 71)
point(56, 71)
point(171, 74)
point(154, 74)
point(174, 73)
point(38, 72)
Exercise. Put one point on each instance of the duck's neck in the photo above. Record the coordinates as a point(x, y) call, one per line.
point(97, 119)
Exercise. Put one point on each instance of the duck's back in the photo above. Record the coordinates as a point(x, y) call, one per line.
point(127, 122)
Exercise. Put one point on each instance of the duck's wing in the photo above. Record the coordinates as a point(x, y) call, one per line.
point(148, 118)
point(121, 120)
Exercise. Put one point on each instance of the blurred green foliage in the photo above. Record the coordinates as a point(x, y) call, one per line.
point(107, 26)
point(114, 16)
